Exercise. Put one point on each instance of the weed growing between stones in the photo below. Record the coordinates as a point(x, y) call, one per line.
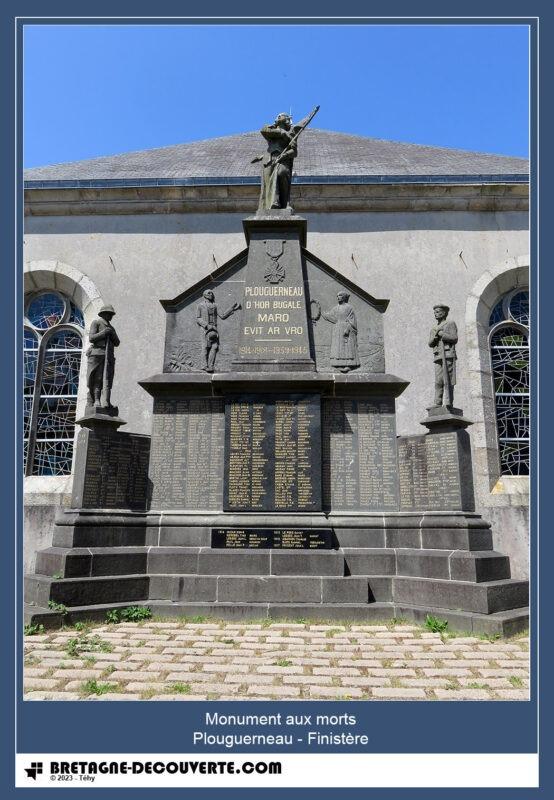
point(178, 688)
point(93, 687)
point(87, 644)
point(59, 608)
point(435, 625)
point(33, 630)
point(130, 614)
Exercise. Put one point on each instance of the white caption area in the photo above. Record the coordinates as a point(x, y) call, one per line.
point(485, 770)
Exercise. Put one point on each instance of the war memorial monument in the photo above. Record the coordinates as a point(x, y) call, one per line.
point(274, 483)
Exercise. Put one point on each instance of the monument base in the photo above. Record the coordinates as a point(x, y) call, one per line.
point(101, 418)
point(442, 419)
point(379, 566)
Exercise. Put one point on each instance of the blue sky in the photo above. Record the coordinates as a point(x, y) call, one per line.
point(97, 90)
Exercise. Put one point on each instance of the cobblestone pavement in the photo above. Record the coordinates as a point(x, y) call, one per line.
point(224, 661)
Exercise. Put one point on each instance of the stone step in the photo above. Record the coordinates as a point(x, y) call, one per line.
point(40, 589)
point(476, 566)
point(463, 565)
point(434, 533)
point(486, 597)
point(205, 561)
point(91, 561)
point(505, 623)
point(74, 536)
point(443, 538)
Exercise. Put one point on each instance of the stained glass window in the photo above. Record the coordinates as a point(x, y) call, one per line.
point(46, 310)
point(52, 360)
point(509, 345)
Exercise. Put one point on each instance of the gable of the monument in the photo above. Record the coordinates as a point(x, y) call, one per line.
point(186, 337)
point(323, 285)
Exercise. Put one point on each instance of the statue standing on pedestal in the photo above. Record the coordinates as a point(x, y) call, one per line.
point(443, 338)
point(344, 342)
point(101, 359)
point(207, 316)
point(282, 149)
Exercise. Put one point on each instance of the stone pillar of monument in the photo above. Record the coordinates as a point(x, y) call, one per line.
point(274, 332)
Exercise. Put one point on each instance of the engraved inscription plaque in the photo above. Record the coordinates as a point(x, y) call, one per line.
point(272, 453)
point(113, 472)
point(279, 538)
point(412, 472)
point(359, 454)
point(274, 322)
point(435, 472)
point(186, 465)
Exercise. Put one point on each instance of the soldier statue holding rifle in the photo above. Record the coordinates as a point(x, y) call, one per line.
point(101, 360)
point(282, 149)
point(443, 338)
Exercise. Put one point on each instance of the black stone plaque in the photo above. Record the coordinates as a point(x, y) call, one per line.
point(272, 453)
point(186, 465)
point(274, 324)
point(279, 538)
point(435, 472)
point(111, 470)
point(360, 469)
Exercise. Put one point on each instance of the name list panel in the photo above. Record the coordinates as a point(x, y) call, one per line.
point(114, 473)
point(186, 465)
point(360, 470)
point(272, 453)
point(435, 472)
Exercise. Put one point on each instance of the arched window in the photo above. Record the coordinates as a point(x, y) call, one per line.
point(52, 359)
point(509, 348)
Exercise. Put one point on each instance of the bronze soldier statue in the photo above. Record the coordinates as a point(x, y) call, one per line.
point(101, 359)
point(207, 315)
point(344, 341)
point(443, 338)
point(282, 149)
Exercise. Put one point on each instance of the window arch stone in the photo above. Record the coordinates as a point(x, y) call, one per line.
point(50, 276)
point(494, 284)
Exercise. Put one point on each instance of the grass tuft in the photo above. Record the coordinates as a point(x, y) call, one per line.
point(93, 687)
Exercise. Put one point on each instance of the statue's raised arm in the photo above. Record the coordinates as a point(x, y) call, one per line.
point(282, 149)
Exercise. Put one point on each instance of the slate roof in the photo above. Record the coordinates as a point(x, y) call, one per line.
point(324, 156)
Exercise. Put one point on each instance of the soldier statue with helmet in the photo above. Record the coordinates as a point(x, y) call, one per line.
point(443, 338)
point(101, 360)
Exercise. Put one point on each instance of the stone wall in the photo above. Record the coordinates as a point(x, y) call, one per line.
point(414, 259)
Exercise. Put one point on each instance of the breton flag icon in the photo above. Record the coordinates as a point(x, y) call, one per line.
point(34, 770)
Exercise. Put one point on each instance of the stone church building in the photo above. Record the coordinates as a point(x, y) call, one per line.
point(414, 224)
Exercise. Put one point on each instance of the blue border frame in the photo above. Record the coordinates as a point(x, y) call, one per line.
point(393, 727)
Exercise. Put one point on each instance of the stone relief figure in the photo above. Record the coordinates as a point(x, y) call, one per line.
point(344, 341)
point(443, 338)
point(207, 315)
point(282, 149)
point(101, 359)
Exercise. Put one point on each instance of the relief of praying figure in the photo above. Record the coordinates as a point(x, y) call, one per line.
point(344, 341)
point(207, 315)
